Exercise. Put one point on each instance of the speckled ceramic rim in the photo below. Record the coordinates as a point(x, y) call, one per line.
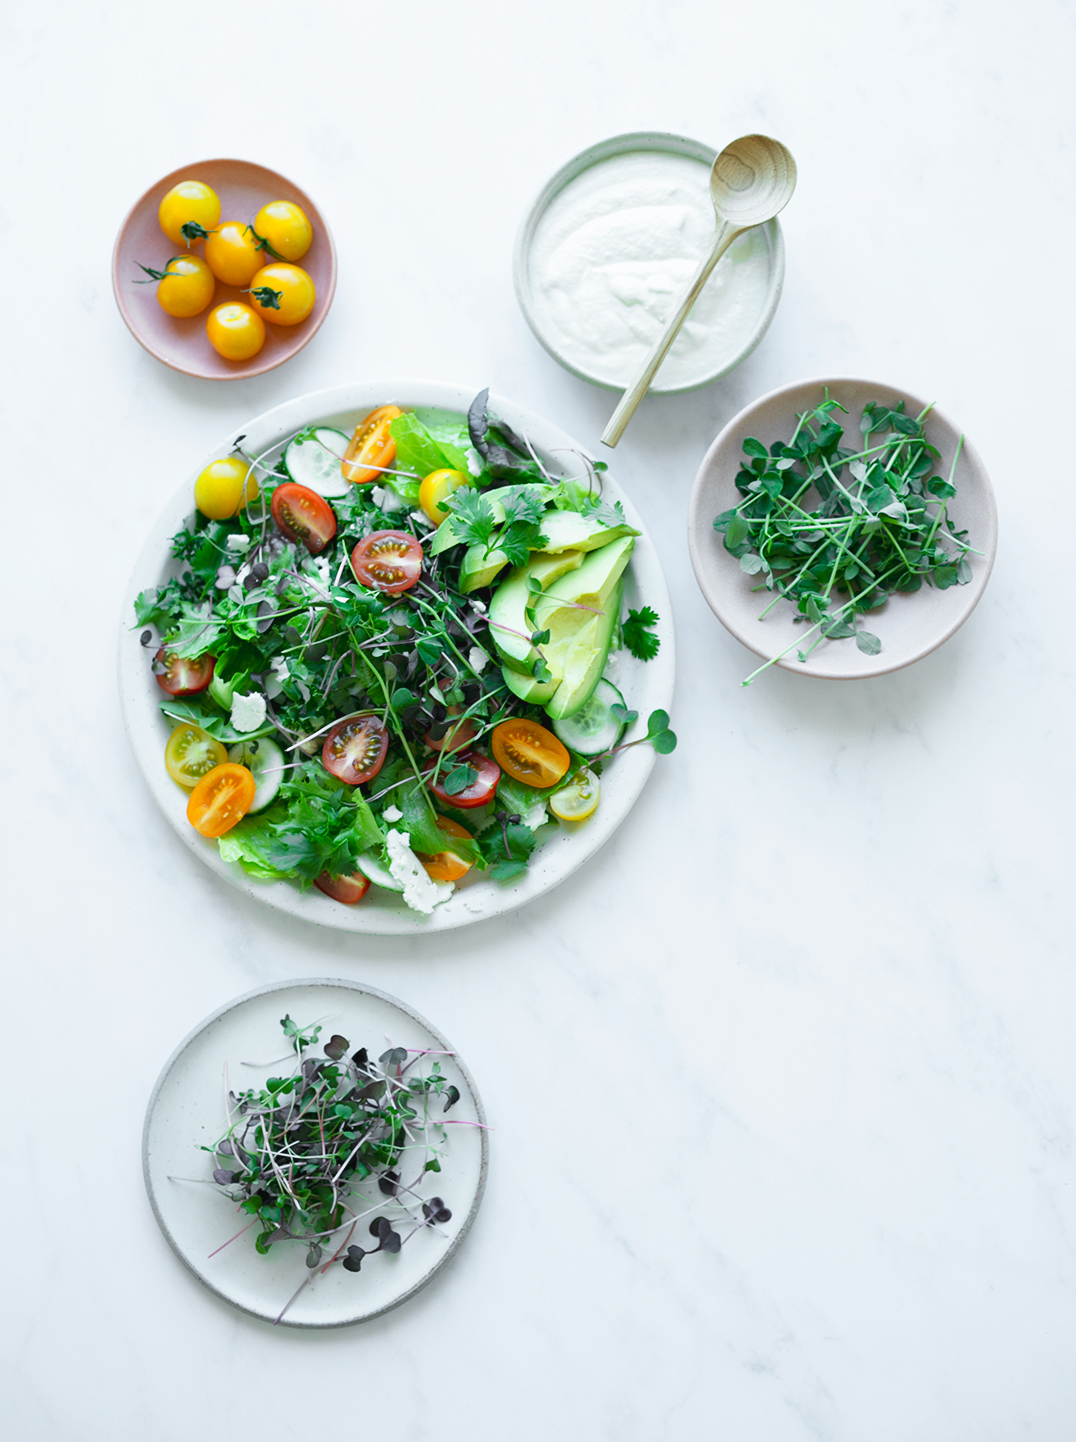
point(605, 149)
point(327, 981)
point(718, 573)
point(269, 179)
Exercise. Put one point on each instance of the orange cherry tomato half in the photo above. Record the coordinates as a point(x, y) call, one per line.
point(371, 447)
point(354, 750)
point(452, 738)
point(388, 561)
point(348, 889)
point(530, 753)
point(446, 865)
point(481, 790)
point(181, 677)
point(303, 516)
point(221, 799)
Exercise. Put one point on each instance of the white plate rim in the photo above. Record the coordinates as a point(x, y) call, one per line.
point(283, 986)
point(558, 857)
point(714, 577)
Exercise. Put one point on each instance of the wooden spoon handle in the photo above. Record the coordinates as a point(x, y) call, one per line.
point(618, 421)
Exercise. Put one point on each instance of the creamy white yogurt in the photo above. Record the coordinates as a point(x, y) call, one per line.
point(613, 253)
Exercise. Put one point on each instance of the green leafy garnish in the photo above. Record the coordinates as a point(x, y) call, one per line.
point(637, 634)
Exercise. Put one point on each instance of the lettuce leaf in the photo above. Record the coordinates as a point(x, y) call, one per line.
point(419, 449)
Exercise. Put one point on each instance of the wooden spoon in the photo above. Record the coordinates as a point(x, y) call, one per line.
point(752, 180)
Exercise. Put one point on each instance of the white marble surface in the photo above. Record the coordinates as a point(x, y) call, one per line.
point(783, 1082)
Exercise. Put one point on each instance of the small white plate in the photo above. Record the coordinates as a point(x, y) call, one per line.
point(909, 626)
point(646, 686)
point(186, 1112)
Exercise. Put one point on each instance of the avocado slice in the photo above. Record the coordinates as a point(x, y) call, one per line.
point(527, 688)
point(480, 567)
point(508, 622)
point(568, 529)
point(584, 661)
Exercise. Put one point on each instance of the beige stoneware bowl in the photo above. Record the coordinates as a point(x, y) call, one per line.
point(908, 626)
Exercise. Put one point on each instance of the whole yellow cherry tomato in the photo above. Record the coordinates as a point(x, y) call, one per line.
point(186, 285)
point(225, 487)
point(285, 229)
point(188, 212)
point(235, 330)
point(436, 488)
point(283, 294)
point(233, 254)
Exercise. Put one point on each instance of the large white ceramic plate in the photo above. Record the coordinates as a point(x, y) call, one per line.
point(908, 626)
point(186, 1112)
point(646, 686)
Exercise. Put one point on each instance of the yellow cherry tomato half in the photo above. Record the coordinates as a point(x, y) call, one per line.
point(446, 865)
point(192, 753)
point(371, 448)
point(225, 487)
point(579, 799)
point(283, 294)
point(221, 799)
point(529, 753)
point(188, 212)
point(184, 287)
point(285, 229)
point(233, 254)
point(436, 488)
point(235, 330)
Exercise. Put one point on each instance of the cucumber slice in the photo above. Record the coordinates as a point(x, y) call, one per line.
point(265, 762)
point(593, 728)
point(313, 459)
point(371, 865)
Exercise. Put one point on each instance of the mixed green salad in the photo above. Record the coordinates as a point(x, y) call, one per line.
point(386, 658)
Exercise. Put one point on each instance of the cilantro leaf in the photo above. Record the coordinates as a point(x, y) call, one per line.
point(637, 634)
point(518, 540)
point(472, 516)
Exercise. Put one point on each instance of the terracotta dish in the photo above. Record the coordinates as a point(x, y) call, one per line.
point(908, 626)
point(183, 344)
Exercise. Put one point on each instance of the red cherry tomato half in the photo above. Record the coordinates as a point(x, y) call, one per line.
point(180, 677)
point(481, 789)
point(304, 516)
point(388, 561)
point(347, 889)
point(355, 748)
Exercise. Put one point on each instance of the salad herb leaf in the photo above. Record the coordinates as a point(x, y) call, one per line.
point(638, 635)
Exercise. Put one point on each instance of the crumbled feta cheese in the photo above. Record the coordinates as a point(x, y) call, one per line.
point(421, 519)
point(477, 659)
point(248, 712)
point(419, 891)
point(279, 668)
point(612, 666)
point(474, 461)
point(478, 607)
point(392, 813)
point(535, 814)
point(238, 543)
point(386, 499)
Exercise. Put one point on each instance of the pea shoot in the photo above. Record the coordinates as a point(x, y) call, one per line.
point(837, 531)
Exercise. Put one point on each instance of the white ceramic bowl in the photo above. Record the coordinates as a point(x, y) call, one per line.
point(647, 687)
point(909, 626)
point(186, 1112)
point(645, 140)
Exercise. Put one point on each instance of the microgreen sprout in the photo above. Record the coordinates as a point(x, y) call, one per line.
point(820, 522)
point(301, 1154)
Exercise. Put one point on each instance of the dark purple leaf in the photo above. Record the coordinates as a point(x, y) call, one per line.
point(223, 1178)
point(336, 1047)
point(452, 1096)
point(353, 1260)
point(389, 1183)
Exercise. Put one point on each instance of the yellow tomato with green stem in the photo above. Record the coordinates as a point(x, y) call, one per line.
point(284, 229)
point(233, 254)
point(225, 487)
point(283, 294)
point(189, 212)
point(185, 285)
point(236, 331)
point(436, 489)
